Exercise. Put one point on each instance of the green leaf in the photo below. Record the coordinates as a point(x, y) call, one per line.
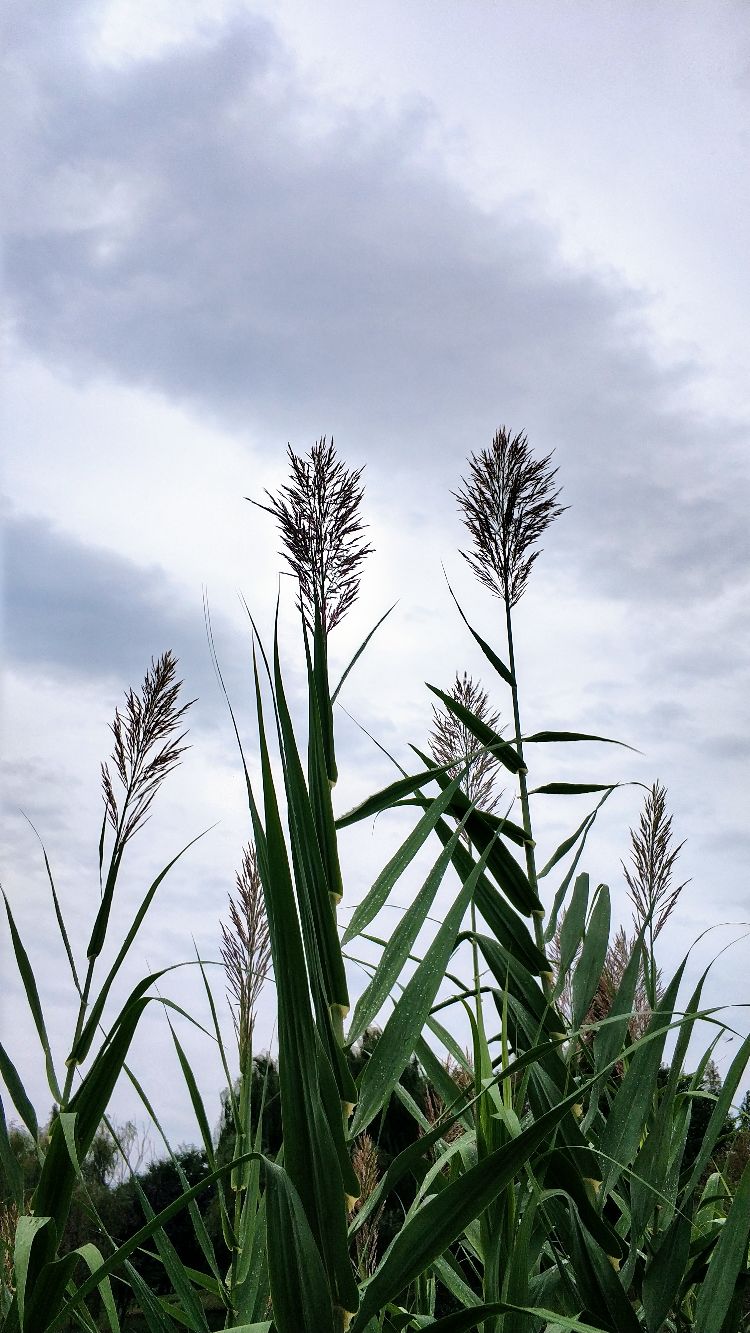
point(314, 889)
point(665, 1271)
point(573, 926)
point(10, 1076)
point(94, 1259)
point(399, 947)
point(56, 903)
point(445, 1216)
point(728, 1261)
point(501, 864)
point(388, 796)
point(493, 742)
point(27, 1230)
point(196, 1099)
point(590, 966)
point(572, 788)
point(53, 1192)
point(83, 1045)
point(299, 1289)
point(155, 1317)
point(632, 1104)
point(506, 925)
point(597, 1281)
point(359, 652)
point(377, 896)
point(101, 921)
point(547, 737)
point(489, 653)
point(396, 1044)
point(32, 995)
point(569, 843)
point(190, 1308)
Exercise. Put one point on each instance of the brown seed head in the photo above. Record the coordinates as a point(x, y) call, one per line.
point(508, 502)
point(147, 722)
point(451, 740)
point(321, 531)
point(246, 949)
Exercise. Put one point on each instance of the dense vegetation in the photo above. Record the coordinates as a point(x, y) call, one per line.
point(557, 1175)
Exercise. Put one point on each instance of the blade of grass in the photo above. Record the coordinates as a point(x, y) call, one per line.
point(399, 947)
point(359, 652)
point(32, 996)
point(404, 1025)
point(367, 910)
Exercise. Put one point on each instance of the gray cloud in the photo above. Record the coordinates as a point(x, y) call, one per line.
point(80, 612)
point(185, 228)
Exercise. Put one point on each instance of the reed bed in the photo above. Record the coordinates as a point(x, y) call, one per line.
point(548, 1186)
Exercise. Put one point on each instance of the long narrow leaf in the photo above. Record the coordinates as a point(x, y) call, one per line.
point(388, 796)
point(396, 1044)
point(32, 996)
point(12, 1080)
point(359, 652)
point(728, 1261)
point(489, 653)
point(377, 896)
point(494, 743)
point(399, 947)
point(83, 1045)
point(445, 1216)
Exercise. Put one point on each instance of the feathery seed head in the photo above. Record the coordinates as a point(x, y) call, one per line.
point(246, 949)
point(451, 741)
point(508, 502)
point(147, 721)
point(321, 531)
point(653, 857)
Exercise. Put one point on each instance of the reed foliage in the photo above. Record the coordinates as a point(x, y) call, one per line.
point(549, 1187)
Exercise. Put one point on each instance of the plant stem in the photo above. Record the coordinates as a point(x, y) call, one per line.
point(524, 792)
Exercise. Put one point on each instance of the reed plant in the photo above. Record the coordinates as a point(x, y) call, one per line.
point(549, 1186)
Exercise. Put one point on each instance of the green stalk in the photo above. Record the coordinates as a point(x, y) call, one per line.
point(524, 792)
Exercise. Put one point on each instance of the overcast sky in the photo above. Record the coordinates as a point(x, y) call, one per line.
point(403, 226)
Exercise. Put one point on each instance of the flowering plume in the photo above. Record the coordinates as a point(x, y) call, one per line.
point(246, 949)
point(508, 502)
point(321, 531)
point(451, 740)
point(147, 721)
point(653, 856)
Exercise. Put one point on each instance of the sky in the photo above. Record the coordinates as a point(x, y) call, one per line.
point(250, 225)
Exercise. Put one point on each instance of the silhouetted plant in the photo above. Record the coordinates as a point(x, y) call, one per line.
point(508, 502)
point(321, 531)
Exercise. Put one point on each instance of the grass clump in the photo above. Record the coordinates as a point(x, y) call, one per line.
point(552, 1181)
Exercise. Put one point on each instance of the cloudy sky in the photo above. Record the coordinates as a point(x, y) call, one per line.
point(402, 225)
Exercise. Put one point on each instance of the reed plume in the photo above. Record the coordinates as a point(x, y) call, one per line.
point(365, 1163)
point(508, 502)
point(450, 740)
point(653, 855)
point(148, 720)
point(321, 531)
point(246, 949)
